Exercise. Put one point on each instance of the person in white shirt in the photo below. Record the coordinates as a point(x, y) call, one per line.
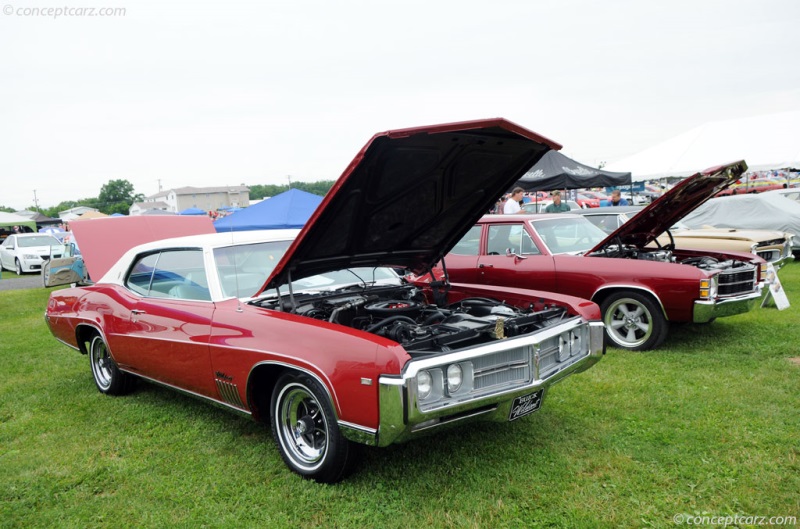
point(512, 204)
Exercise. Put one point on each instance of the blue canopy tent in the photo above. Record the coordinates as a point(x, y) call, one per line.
point(192, 211)
point(290, 209)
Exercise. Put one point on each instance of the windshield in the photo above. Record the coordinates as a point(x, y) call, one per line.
point(568, 234)
point(38, 240)
point(243, 270)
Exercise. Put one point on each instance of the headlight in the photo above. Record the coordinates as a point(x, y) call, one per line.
point(455, 376)
point(424, 384)
point(29, 256)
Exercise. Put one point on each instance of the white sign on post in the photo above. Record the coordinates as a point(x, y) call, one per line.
point(774, 289)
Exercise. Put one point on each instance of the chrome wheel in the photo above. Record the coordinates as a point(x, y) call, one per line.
point(107, 376)
point(102, 364)
point(303, 429)
point(306, 429)
point(633, 321)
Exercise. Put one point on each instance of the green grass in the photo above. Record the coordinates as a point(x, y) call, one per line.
point(7, 274)
point(708, 424)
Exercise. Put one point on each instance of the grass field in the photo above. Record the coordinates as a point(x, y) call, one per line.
point(707, 425)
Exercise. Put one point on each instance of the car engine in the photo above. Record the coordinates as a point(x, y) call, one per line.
point(402, 314)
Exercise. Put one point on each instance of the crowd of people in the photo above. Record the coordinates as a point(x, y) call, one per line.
point(512, 203)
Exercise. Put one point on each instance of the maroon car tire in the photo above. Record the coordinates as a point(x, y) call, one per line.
point(107, 376)
point(306, 431)
point(633, 321)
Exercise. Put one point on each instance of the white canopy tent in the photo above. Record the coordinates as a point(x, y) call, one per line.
point(765, 142)
point(11, 219)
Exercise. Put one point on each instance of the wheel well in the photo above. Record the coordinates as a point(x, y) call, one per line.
point(600, 296)
point(84, 335)
point(259, 389)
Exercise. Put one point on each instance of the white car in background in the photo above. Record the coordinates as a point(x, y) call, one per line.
point(27, 252)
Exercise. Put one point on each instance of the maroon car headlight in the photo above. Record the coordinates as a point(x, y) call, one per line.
point(424, 385)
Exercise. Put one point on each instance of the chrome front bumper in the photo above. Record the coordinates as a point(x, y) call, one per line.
point(706, 310)
point(402, 417)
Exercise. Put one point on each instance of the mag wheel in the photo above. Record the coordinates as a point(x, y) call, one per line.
point(633, 321)
point(107, 376)
point(18, 267)
point(305, 429)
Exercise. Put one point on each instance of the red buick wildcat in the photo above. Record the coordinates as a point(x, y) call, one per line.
point(639, 288)
point(316, 334)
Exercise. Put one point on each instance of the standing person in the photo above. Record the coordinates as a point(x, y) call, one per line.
point(557, 206)
point(617, 200)
point(512, 205)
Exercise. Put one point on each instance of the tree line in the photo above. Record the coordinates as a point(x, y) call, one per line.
point(117, 196)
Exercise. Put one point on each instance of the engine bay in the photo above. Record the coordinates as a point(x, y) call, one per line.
point(403, 314)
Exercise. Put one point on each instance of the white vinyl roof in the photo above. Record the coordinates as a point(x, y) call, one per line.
point(765, 142)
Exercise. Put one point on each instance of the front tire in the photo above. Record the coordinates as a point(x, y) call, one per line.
point(633, 321)
point(18, 267)
point(107, 376)
point(305, 429)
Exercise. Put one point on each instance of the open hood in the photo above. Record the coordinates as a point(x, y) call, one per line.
point(104, 240)
point(410, 195)
point(671, 207)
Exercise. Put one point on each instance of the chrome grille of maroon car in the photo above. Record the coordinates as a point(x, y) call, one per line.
point(739, 281)
point(506, 367)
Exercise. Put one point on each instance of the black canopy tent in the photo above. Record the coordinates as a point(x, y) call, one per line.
point(556, 171)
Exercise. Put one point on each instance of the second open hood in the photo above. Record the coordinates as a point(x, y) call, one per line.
point(410, 195)
point(671, 207)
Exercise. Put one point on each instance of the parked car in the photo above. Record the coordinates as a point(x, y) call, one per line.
point(762, 211)
point(773, 246)
point(26, 252)
point(585, 201)
point(639, 289)
point(316, 335)
point(540, 206)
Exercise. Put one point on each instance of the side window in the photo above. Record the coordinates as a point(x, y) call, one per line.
point(177, 274)
point(470, 243)
point(141, 274)
point(503, 237)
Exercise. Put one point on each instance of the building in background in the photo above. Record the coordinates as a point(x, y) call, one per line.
point(205, 198)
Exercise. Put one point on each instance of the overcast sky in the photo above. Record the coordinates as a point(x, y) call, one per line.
point(226, 93)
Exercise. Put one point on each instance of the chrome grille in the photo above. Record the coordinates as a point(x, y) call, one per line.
point(503, 368)
point(769, 255)
point(737, 281)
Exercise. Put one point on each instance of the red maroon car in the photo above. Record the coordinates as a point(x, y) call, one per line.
point(639, 289)
point(316, 335)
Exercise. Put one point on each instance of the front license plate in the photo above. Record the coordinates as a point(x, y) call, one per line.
point(525, 405)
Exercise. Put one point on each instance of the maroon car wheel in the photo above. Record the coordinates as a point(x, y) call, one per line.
point(633, 321)
point(107, 376)
point(306, 431)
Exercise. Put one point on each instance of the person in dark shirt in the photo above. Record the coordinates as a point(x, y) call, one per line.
point(557, 206)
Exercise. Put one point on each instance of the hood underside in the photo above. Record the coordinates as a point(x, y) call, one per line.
point(665, 211)
point(410, 195)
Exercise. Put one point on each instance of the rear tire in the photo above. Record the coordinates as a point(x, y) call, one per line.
point(306, 431)
point(633, 321)
point(107, 376)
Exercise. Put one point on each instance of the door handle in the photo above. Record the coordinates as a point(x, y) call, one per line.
point(137, 312)
point(485, 266)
